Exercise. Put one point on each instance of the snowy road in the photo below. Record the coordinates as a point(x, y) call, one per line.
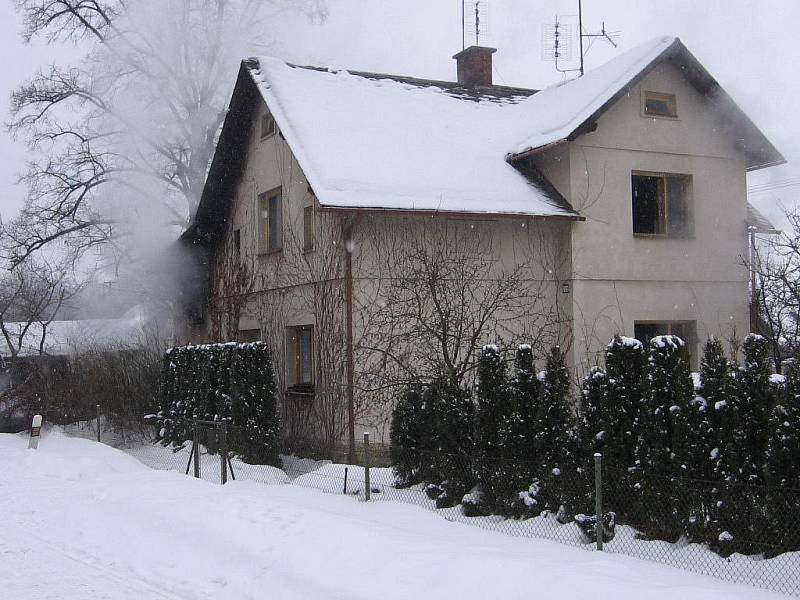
point(84, 521)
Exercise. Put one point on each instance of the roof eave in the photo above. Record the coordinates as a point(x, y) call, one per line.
point(451, 213)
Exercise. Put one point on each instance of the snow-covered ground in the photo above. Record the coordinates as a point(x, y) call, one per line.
point(83, 520)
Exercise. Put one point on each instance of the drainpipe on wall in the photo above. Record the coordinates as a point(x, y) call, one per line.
point(350, 367)
point(751, 232)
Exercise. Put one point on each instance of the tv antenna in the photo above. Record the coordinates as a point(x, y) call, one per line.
point(475, 19)
point(557, 42)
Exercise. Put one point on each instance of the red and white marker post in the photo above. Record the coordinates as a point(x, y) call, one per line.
point(36, 430)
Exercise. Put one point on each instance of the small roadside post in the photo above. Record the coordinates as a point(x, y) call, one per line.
point(223, 452)
point(367, 489)
point(98, 422)
point(36, 430)
point(598, 499)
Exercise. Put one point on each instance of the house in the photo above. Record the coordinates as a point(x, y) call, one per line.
point(365, 224)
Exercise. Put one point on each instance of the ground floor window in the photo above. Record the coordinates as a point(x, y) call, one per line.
point(249, 335)
point(301, 356)
point(644, 331)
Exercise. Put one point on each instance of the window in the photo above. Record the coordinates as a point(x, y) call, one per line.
point(267, 125)
point(655, 104)
point(270, 221)
point(237, 242)
point(661, 204)
point(249, 335)
point(644, 331)
point(308, 228)
point(301, 361)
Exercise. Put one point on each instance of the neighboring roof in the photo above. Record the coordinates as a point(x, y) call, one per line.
point(757, 220)
point(68, 337)
point(367, 140)
point(561, 112)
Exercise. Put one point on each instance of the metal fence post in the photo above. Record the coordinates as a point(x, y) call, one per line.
point(98, 422)
point(367, 489)
point(196, 449)
point(598, 498)
point(223, 452)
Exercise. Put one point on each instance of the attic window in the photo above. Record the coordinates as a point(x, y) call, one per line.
point(267, 125)
point(656, 104)
point(661, 204)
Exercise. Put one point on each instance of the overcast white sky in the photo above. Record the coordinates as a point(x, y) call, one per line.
point(747, 45)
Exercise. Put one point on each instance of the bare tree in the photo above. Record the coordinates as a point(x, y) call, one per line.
point(432, 292)
point(776, 266)
point(136, 121)
point(30, 299)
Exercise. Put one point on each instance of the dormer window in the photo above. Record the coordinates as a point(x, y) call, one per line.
point(656, 104)
point(267, 125)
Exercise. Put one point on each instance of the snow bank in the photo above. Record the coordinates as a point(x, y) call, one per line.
point(82, 520)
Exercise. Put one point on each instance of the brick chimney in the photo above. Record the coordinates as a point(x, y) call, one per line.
point(475, 65)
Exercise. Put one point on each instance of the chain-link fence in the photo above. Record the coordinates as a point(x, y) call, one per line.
point(739, 533)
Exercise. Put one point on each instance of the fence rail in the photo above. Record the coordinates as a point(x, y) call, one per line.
point(738, 533)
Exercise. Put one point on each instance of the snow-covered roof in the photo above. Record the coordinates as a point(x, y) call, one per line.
point(555, 113)
point(376, 141)
point(757, 219)
point(69, 337)
point(366, 141)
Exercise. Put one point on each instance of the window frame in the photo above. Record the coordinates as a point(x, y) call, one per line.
point(237, 242)
point(298, 359)
point(688, 183)
point(689, 338)
point(264, 204)
point(308, 228)
point(244, 336)
point(267, 132)
point(670, 100)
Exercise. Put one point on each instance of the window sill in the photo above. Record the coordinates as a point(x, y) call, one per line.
point(662, 236)
point(270, 252)
point(644, 115)
point(304, 390)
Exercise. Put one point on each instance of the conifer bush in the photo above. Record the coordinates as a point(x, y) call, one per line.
point(494, 415)
point(409, 435)
point(626, 366)
point(526, 394)
point(783, 468)
point(662, 452)
point(222, 382)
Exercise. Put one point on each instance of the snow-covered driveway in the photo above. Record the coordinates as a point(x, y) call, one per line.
point(79, 520)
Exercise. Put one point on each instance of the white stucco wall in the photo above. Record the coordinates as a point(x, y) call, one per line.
point(621, 278)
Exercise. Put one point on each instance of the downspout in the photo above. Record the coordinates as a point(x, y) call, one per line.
point(348, 224)
point(751, 233)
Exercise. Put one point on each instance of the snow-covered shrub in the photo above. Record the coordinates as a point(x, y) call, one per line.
point(555, 441)
point(588, 526)
point(626, 366)
point(230, 382)
point(494, 415)
point(783, 468)
point(410, 434)
point(662, 452)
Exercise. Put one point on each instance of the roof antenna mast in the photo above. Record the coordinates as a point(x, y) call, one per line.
point(476, 17)
point(557, 44)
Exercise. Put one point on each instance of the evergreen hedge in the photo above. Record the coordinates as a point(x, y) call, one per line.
point(228, 382)
point(679, 462)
